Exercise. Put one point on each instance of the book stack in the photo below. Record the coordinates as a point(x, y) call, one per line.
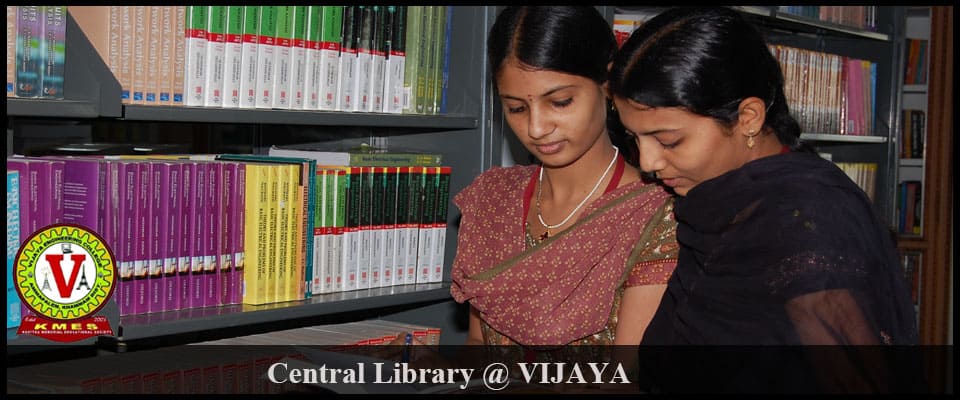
point(36, 47)
point(861, 17)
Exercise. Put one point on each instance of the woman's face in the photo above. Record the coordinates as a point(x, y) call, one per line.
point(682, 148)
point(558, 117)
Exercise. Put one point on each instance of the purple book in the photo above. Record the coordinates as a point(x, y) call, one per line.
point(239, 192)
point(83, 181)
point(159, 209)
point(228, 226)
point(185, 265)
point(171, 255)
point(197, 232)
point(129, 183)
point(214, 234)
point(109, 233)
point(56, 183)
point(141, 262)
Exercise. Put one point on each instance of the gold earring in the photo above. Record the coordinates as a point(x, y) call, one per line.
point(750, 139)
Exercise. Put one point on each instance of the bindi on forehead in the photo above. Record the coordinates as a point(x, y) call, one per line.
point(529, 97)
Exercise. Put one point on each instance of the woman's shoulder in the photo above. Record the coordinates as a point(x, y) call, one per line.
point(504, 176)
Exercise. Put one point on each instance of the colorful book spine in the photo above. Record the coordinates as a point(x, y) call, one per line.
point(129, 178)
point(141, 32)
point(415, 180)
point(250, 44)
point(336, 243)
point(13, 240)
point(274, 278)
point(196, 55)
point(142, 237)
point(348, 60)
point(284, 234)
point(29, 50)
point(266, 56)
point(171, 252)
point(282, 80)
point(216, 54)
point(298, 58)
point(444, 80)
point(23, 173)
point(168, 35)
point(311, 82)
point(256, 192)
point(412, 42)
point(159, 209)
point(239, 259)
point(351, 232)
point(187, 206)
point(320, 232)
point(395, 59)
point(54, 51)
point(440, 223)
point(425, 59)
point(403, 205)
point(198, 213)
point(364, 59)
point(213, 236)
point(425, 244)
point(125, 75)
point(233, 56)
point(330, 47)
point(228, 226)
point(179, 55)
point(377, 239)
point(11, 52)
point(379, 58)
point(391, 227)
point(154, 31)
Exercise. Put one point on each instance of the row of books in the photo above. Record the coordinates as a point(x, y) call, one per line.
point(863, 174)
point(912, 133)
point(217, 367)
point(829, 93)
point(381, 59)
point(915, 70)
point(36, 48)
point(861, 17)
point(910, 207)
point(13, 245)
point(209, 230)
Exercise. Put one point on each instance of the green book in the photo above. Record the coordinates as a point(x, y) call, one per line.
point(361, 156)
point(425, 58)
point(412, 64)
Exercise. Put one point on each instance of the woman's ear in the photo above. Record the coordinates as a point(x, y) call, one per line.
point(752, 114)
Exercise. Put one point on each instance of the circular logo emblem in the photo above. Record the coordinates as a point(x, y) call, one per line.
point(64, 272)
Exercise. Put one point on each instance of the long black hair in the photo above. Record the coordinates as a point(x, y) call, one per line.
point(574, 40)
point(705, 60)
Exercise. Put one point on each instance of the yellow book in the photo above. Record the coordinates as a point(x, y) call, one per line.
point(272, 238)
point(297, 246)
point(256, 194)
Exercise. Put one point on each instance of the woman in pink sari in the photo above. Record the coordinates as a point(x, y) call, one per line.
point(577, 249)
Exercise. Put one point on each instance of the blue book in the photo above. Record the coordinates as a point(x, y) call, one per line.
point(13, 244)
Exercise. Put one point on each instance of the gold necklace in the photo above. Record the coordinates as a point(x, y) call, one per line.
point(616, 152)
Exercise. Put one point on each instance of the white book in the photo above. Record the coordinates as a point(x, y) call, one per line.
point(266, 56)
point(194, 82)
point(283, 74)
point(249, 54)
point(329, 89)
point(216, 53)
point(233, 57)
point(311, 82)
point(298, 58)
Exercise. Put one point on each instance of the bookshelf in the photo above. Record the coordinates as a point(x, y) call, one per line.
point(92, 104)
point(928, 246)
